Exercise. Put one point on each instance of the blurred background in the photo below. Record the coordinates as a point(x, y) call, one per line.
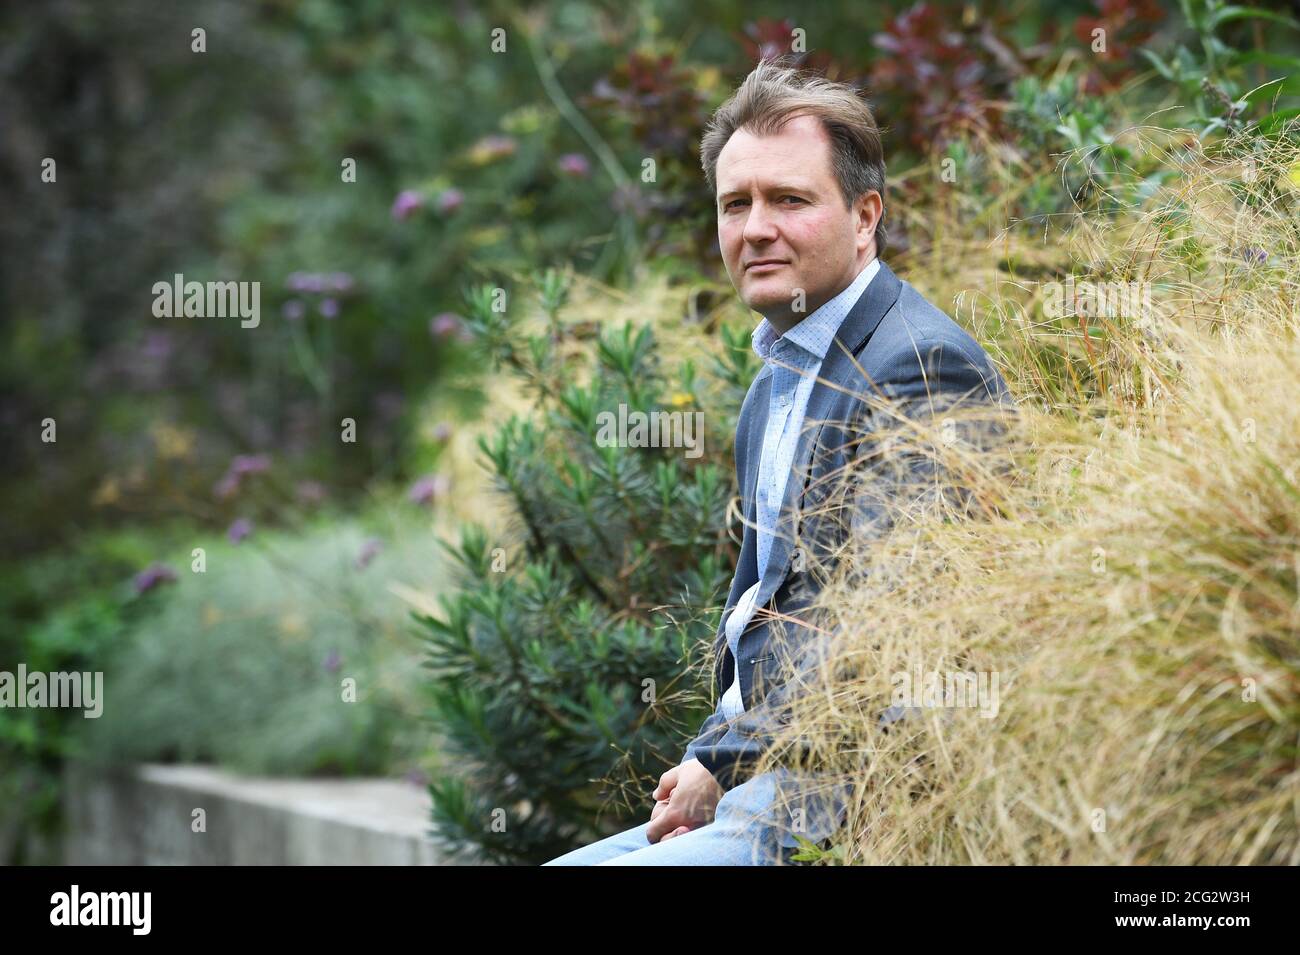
point(474, 225)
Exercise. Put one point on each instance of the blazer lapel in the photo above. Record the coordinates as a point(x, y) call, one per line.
point(837, 377)
point(755, 426)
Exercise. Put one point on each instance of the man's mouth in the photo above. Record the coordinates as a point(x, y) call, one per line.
point(762, 266)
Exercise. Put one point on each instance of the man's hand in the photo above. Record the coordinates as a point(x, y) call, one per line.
point(685, 799)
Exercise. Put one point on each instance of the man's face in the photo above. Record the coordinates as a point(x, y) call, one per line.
point(778, 200)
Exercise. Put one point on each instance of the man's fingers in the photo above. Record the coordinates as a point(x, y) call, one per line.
point(664, 823)
point(659, 807)
point(680, 830)
point(666, 784)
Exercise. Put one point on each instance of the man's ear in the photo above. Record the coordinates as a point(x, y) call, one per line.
point(869, 209)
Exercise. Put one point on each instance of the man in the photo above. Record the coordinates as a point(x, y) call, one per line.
point(797, 169)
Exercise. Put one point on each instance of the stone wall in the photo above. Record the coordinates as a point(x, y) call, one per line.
point(144, 816)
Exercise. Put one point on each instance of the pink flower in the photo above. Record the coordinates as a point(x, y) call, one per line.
point(444, 324)
point(429, 488)
point(449, 200)
point(575, 165)
point(407, 201)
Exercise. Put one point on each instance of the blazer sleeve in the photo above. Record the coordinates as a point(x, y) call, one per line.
point(897, 471)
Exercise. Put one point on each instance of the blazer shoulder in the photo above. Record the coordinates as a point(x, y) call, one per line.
point(915, 319)
point(915, 328)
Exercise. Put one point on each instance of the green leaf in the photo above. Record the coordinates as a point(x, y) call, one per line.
point(1228, 14)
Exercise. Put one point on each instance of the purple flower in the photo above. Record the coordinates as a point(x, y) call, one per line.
point(575, 165)
point(305, 282)
point(417, 777)
point(407, 201)
point(329, 307)
point(157, 347)
point(293, 310)
point(442, 431)
point(444, 324)
point(332, 662)
point(428, 489)
point(1254, 255)
point(152, 576)
point(368, 552)
point(449, 200)
point(340, 281)
point(239, 530)
point(243, 464)
point(228, 486)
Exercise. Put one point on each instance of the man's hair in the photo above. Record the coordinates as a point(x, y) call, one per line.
point(776, 92)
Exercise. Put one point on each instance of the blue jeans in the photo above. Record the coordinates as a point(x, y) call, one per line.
point(740, 834)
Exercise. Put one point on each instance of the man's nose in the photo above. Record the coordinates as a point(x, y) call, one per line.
point(760, 227)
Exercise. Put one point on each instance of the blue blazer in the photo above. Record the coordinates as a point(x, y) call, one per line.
point(896, 347)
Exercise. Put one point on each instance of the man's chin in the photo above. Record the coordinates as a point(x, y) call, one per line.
point(768, 299)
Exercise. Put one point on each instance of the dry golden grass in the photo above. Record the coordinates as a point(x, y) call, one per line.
point(1132, 583)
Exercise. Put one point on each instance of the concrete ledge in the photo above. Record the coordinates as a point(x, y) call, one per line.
point(143, 816)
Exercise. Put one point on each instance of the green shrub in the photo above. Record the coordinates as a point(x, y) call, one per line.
point(559, 669)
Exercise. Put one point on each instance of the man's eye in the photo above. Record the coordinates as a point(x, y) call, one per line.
point(734, 201)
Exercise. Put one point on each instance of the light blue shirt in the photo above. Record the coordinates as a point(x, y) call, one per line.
point(796, 359)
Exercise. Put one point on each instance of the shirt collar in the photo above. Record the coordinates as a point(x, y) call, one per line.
point(813, 334)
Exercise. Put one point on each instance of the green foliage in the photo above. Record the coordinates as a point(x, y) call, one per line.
point(1211, 74)
point(1099, 159)
point(244, 664)
point(558, 671)
point(63, 612)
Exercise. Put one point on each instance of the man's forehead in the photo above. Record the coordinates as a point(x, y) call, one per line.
point(791, 157)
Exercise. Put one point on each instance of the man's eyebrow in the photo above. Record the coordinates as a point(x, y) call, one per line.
point(779, 187)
